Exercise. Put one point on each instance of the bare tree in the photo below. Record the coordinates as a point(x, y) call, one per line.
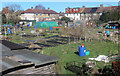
point(14, 7)
point(39, 6)
point(16, 10)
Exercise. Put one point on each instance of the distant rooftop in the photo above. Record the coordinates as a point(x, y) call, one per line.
point(95, 9)
point(45, 11)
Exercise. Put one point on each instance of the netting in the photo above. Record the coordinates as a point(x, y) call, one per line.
point(46, 24)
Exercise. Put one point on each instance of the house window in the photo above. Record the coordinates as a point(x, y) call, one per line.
point(48, 14)
point(94, 14)
point(67, 9)
point(76, 9)
point(25, 18)
point(100, 14)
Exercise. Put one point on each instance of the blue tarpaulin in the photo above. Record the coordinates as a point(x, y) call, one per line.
point(106, 27)
point(9, 31)
point(17, 25)
point(108, 32)
point(94, 25)
point(114, 27)
point(71, 26)
point(28, 25)
point(35, 27)
point(50, 28)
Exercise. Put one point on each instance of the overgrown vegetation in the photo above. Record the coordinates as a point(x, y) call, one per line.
point(110, 16)
point(12, 15)
point(66, 19)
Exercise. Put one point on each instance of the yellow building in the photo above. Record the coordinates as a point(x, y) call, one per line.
point(39, 14)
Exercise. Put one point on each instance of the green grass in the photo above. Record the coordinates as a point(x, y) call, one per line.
point(96, 48)
point(66, 52)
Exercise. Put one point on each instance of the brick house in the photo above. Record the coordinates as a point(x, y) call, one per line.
point(39, 14)
point(87, 13)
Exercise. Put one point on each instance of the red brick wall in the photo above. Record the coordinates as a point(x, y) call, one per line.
point(72, 10)
point(66, 11)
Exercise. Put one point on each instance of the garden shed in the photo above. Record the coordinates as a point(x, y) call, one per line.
point(19, 60)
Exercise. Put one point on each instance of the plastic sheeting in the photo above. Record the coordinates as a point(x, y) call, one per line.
point(46, 24)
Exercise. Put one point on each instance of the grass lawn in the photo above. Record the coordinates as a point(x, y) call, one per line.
point(66, 53)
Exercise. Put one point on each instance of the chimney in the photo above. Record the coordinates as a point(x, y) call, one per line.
point(68, 7)
point(32, 7)
point(60, 12)
point(101, 5)
point(3, 8)
point(83, 7)
point(7, 7)
point(48, 8)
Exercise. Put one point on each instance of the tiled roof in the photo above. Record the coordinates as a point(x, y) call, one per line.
point(5, 10)
point(61, 14)
point(112, 8)
point(40, 11)
point(90, 10)
point(100, 9)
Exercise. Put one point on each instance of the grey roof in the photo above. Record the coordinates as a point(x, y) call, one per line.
point(22, 55)
point(36, 58)
point(7, 63)
point(11, 45)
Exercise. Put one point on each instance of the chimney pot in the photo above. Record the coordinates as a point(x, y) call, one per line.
point(48, 8)
point(32, 7)
point(7, 7)
point(101, 5)
point(83, 6)
point(3, 8)
point(68, 7)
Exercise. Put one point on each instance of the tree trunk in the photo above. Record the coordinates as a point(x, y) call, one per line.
point(85, 39)
point(80, 38)
point(69, 39)
point(74, 39)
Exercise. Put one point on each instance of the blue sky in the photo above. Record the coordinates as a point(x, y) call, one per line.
point(59, 6)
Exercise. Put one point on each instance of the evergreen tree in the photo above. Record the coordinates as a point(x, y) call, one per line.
point(66, 19)
point(3, 19)
point(110, 16)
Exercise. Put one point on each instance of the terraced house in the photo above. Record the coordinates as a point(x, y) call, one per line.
point(39, 14)
point(88, 13)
